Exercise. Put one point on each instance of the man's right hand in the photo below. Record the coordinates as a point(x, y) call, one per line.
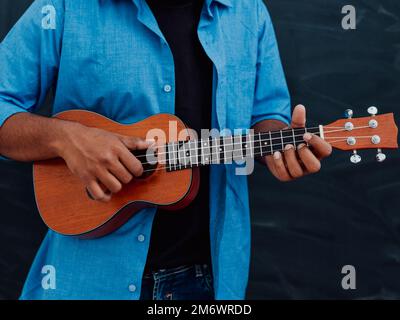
point(102, 160)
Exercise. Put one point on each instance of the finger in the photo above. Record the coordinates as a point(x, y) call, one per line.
point(131, 163)
point(299, 117)
point(321, 148)
point(280, 168)
point(97, 193)
point(269, 160)
point(134, 143)
point(310, 161)
point(121, 173)
point(109, 181)
point(293, 164)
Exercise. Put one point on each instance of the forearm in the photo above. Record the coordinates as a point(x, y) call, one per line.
point(29, 137)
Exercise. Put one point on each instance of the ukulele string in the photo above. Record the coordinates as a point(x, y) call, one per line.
point(233, 138)
point(180, 166)
point(176, 147)
point(342, 129)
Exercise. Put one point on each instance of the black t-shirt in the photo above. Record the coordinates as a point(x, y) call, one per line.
point(182, 237)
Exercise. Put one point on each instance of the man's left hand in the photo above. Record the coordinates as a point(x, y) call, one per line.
point(298, 161)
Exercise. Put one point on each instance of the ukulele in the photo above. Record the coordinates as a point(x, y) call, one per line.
point(171, 179)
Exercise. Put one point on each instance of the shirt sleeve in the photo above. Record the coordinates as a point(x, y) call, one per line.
point(272, 99)
point(29, 58)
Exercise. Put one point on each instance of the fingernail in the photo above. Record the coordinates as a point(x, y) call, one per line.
point(150, 142)
point(289, 147)
point(307, 137)
point(300, 146)
point(277, 155)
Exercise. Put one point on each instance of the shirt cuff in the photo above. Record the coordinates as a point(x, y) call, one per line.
point(277, 117)
point(7, 110)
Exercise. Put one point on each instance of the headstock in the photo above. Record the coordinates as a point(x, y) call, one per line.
point(373, 132)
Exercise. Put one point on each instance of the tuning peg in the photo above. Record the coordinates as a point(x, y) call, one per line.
point(355, 158)
point(380, 157)
point(349, 113)
point(373, 111)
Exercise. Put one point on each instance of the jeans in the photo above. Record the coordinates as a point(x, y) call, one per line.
point(181, 283)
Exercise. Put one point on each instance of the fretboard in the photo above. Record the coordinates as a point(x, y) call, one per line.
point(225, 150)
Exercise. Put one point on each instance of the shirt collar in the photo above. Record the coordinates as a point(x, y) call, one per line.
point(208, 3)
point(227, 3)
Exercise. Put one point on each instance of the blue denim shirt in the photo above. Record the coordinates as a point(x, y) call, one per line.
point(109, 56)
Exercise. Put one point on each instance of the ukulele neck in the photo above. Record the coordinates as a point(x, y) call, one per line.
point(226, 150)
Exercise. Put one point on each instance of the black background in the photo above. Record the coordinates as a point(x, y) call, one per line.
point(306, 231)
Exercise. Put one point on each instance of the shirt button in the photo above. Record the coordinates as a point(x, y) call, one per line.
point(167, 88)
point(141, 238)
point(132, 288)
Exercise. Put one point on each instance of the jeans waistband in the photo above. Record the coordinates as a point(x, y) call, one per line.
point(199, 269)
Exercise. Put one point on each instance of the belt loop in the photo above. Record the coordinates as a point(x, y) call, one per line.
point(199, 271)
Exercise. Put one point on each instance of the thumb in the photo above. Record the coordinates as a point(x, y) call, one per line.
point(299, 117)
point(135, 143)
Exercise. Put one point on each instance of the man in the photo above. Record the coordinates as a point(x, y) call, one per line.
point(214, 63)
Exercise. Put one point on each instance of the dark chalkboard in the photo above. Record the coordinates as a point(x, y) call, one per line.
point(303, 232)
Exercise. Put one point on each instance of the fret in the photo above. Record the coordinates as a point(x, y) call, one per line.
point(194, 154)
point(260, 144)
point(288, 137)
point(248, 146)
point(178, 156)
point(265, 141)
point(229, 149)
point(306, 131)
point(237, 150)
point(217, 154)
point(240, 145)
point(276, 139)
point(186, 156)
point(168, 165)
point(211, 148)
point(244, 147)
point(202, 152)
point(189, 154)
point(224, 148)
point(301, 139)
point(207, 155)
point(271, 144)
point(182, 155)
point(251, 146)
point(294, 139)
point(173, 155)
point(205, 150)
point(283, 144)
point(199, 152)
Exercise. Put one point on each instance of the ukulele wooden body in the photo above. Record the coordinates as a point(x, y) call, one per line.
point(66, 208)
point(64, 204)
